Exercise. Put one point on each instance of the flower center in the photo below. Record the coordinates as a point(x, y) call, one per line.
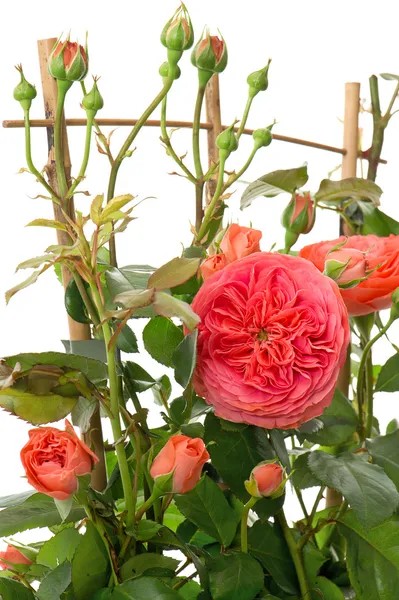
point(263, 335)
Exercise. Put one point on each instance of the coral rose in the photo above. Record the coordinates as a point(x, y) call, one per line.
point(14, 556)
point(212, 265)
point(272, 339)
point(185, 457)
point(52, 459)
point(375, 292)
point(266, 480)
point(240, 241)
point(347, 266)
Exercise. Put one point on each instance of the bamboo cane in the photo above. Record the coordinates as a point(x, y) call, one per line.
point(77, 331)
point(213, 117)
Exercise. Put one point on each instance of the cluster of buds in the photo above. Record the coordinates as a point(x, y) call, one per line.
point(298, 217)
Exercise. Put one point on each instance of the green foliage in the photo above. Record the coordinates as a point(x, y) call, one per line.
point(127, 341)
point(55, 582)
point(235, 576)
point(388, 378)
point(355, 188)
point(138, 589)
point(184, 358)
point(384, 450)
point(125, 279)
point(59, 548)
point(12, 590)
point(207, 507)
point(149, 564)
point(272, 184)
point(90, 564)
point(174, 273)
point(37, 409)
point(94, 370)
point(302, 476)
point(375, 221)
point(368, 490)
point(161, 338)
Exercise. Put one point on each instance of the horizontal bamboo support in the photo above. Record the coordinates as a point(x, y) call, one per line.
point(14, 124)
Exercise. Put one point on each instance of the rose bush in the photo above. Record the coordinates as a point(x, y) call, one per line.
point(272, 339)
point(382, 254)
point(52, 459)
point(185, 457)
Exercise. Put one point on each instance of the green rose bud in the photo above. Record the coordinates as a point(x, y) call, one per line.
point(68, 61)
point(267, 480)
point(263, 137)
point(165, 69)
point(299, 215)
point(178, 33)
point(209, 55)
point(258, 80)
point(25, 92)
point(93, 101)
point(227, 142)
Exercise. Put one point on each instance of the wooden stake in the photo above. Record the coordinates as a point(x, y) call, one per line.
point(213, 116)
point(349, 169)
point(77, 331)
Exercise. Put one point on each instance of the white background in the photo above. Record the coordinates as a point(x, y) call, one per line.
point(315, 46)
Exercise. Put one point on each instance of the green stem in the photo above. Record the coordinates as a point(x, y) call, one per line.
point(233, 178)
point(196, 132)
point(98, 130)
point(315, 506)
point(296, 556)
point(212, 205)
point(168, 144)
point(391, 103)
point(146, 505)
point(364, 370)
point(115, 421)
point(128, 142)
point(86, 299)
point(63, 87)
point(244, 523)
point(245, 116)
point(369, 395)
point(82, 171)
point(29, 160)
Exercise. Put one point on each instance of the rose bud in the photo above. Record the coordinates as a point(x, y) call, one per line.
point(25, 92)
point(210, 54)
point(298, 217)
point(53, 459)
point(93, 101)
point(14, 556)
point(395, 306)
point(227, 142)
point(182, 457)
point(165, 69)
point(267, 480)
point(212, 265)
point(263, 137)
point(347, 266)
point(258, 80)
point(239, 242)
point(68, 61)
point(178, 33)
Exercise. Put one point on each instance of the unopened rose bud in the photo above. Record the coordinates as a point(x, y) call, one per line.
point(212, 265)
point(258, 80)
point(68, 61)
point(227, 142)
point(178, 466)
point(209, 55)
point(267, 480)
point(347, 266)
point(263, 137)
point(178, 33)
point(299, 216)
point(14, 556)
point(93, 101)
point(395, 305)
point(165, 69)
point(25, 92)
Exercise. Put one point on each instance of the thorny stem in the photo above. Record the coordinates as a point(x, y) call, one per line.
point(296, 556)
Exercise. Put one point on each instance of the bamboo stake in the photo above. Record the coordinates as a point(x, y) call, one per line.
point(349, 169)
point(77, 331)
point(214, 119)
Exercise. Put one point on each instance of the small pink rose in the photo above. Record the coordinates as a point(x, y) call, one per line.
point(185, 457)
point(14, 556)
point(239, 242)
point(268, 478)
point(348, 264)
point(212, 265)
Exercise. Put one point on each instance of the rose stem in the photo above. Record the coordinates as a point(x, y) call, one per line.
point(295, 554)
point(244, 523)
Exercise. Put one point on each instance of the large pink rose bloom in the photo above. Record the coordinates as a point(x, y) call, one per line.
point(272, 339)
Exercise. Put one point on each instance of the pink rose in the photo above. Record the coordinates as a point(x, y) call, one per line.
point(266, 480)
point(239, 242)
point(184, 456)
point(14, 556)
point(272, 339)
point(52, 459)
point(347, 266)
point(375, 293)
point(212, 265)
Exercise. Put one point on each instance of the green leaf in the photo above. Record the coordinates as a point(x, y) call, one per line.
point(139, 589)
point(389, 76)
point(15, 499)
point(135, 298)
point(184, 359)
point(377, 222)
point(313, 560)
point(127, 341)
point(94, 370)
point(207, 507)
point(353, 187)
point(166, 305)
point(83, 411)
point(74, 303)
point(340, 422)
point(59, 548)
point(114, 205)
point(324, 588)
point(368, 490)
point(55, 583)
point(145, 530)
point(173, 273)
point(161, 338)
point(38, 510)
point(131, 277)
point(141, 563)
point(36, 409)
point(384, 450)
point(235, 576)
point(372, 557)
point(12, 590)
point(388, 379)
point(267, 544)
point(48, 223)
point(274, 183)
point(277, 439)
point(235, 453)
point(64, 507)
point(190, 590)
point(302, 477)
point(90, 564)
point(136, 378)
